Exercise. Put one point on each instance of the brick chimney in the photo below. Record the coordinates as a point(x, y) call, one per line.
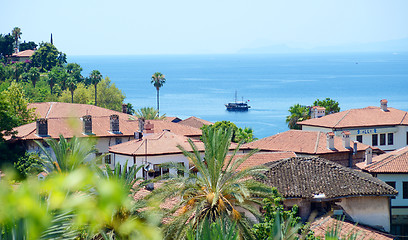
point(42, 127)
point(330, 140)
point(346, 139)
point(383, 103)
point(124, 108)
point(368, 156)
point(114, 123)
point(141, 124)
point(87, 124)
point(149, 127)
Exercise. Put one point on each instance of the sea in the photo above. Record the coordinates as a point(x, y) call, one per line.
point(201, 85)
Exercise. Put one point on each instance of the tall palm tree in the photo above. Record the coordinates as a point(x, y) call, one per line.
point(297, 113)
point(34, 75)
point(158, 81)
point(149, 113)
point(72, 85)
point(16, 33)
point(95, 78)
point(218, 190)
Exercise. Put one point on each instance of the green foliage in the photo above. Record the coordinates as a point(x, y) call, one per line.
point(130, 109)
point(16, 33)
point(16, 99)
point(67, 155)
point(28, 46)
point(217, 190)
point(278, 223)
point(149, 113)
point(331, 105)
point(238, 134)
point(64, 204)
point(158, 79)
point(29, 164)
point(47, 57)
point(95, 77)
point(298, 113)
point(6, 45)
point(221, 229)
point(334, 232)
point(34, 75)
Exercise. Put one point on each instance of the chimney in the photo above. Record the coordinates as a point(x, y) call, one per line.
point(138, 135)
point(124, 108)
point(355, 147)
point(141, 124)
point(346, 139)
point(384, 105)
point(368, 156)
point(87, 124)
point(42, 127)
point(114, 123)
point(148, 127)
point(330, 140)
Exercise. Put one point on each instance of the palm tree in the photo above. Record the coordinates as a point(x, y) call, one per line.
point(72, 85)
point(298, 113)
point(34, 75)
point(95, 78)
point(16, 33)
point(158, 81)
point(68, 155)
point(218, 190)
point(149, 113)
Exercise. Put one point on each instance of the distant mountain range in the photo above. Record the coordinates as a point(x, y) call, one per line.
point(400, 45)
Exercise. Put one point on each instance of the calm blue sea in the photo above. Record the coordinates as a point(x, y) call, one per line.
point(200, 85)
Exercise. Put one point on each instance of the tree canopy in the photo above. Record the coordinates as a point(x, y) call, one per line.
point(47, 57)
point(297, 113)
point(149, 113)
point(331, 105)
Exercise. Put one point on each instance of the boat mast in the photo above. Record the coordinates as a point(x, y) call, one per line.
point(235, 95)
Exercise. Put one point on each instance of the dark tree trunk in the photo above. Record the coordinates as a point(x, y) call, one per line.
point(72, 96)
point(95, 95)
point(158, 106)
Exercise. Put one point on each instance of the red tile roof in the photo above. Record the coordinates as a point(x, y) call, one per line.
point(391, 162)
point(262, 158)
point(26, 53)
point(157, 144)
point(307, 142)
point(180, 129)
point(320, 227)
point(65, 110)
point(195, 122)
point(362, 117)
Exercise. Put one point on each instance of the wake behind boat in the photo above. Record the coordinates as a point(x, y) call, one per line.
point(237, 106)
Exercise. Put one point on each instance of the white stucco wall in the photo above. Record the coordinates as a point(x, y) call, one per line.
point(398, 179)
point(400, 135)
point(372, 211)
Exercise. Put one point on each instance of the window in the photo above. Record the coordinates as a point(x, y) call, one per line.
point(118, 141)
point(392, 184)
point(108, 159)
point(375, 140)
point(359, 138)
point(382, 139)
point(407, 138)
point(390, 138)
point(405, 190)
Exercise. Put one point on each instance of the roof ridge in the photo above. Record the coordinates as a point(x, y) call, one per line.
point(49, 109)
point(348, 111)
point(403, 118)
point(317, 142)
point(382, 162)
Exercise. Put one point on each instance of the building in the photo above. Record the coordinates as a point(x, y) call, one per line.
point(392, 168)
point(321, 186)
point(107, 126)
point(21, 56)
point(153, 150)
point(317, 112)
point(383, 127)
point(315, 143)
point(195, 122)
point(262, 158)
point(321, 225)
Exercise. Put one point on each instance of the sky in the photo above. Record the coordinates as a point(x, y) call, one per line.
point(131, 27)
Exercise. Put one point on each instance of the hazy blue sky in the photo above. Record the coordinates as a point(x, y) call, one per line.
point(100, 27)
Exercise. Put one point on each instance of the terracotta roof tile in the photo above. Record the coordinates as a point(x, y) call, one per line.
point(320, 227)
point(261, 158)
point(391, 162)
point(195, 122)
point(298, 141)
point(306, 177)
point(180, 129)
point(65, 110)
point(362, 117)
point(157, 144)
point(25, 53)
